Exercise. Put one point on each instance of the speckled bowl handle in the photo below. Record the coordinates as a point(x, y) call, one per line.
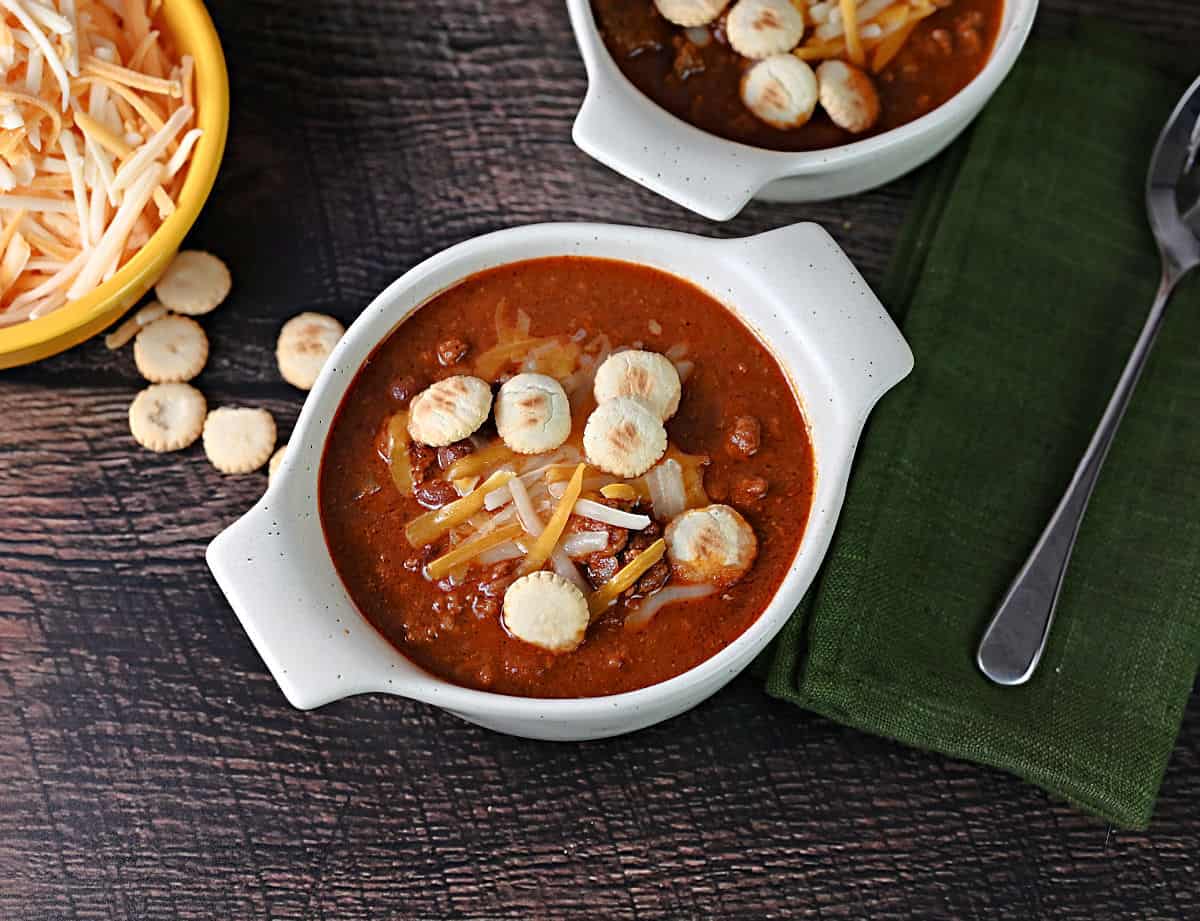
point(833, 310)
point(627, 132)
point(273, 567)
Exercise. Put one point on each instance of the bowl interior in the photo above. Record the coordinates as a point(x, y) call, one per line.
point(193, 33)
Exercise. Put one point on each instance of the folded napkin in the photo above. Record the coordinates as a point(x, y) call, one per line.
point(1023, 277)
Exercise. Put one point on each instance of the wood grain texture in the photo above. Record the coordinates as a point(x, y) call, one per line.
point(149, 767)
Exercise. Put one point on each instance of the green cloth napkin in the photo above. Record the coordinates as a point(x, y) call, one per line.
point(1024, 275)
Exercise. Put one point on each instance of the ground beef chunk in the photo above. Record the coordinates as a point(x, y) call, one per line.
point(966, 32)
point(653, 578)
point(616, 536)
point(496, 579)
point(688, 59)
point(433, 494)
point(450, 453)
point(417, 561)
point(623, 546)
point(451, 351)
point(422, 459)
point(486, 598)
point(640, 540)
point(656, 576)
point(744, 437)
point(749, 490)
point(633, 28)
point(485, 607)
point(405, 388)
point(600, 568)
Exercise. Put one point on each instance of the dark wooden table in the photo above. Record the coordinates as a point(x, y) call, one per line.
point(149, 767)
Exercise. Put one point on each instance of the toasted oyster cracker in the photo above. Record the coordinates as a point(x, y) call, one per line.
point(304, 344)
point(194, 283)
point(624, 437)
point(780, 90)
point(239, 440)
point(546, 610)
point(167, 417)
point(171, 349)
point(645, 376)
point(689, 13)
point(532, 413)
point(758, 29)
point(449, 410)
point(848, 96)
point(714, 544)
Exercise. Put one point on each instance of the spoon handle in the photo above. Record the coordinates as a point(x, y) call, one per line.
point(1014, 640)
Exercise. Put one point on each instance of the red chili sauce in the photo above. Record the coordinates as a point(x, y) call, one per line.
point(702, 85)
point(738, 411)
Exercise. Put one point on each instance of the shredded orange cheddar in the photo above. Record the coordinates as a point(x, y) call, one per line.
point(397, 454)
point(480, 461)
point(624, 578)
point(468, 550)
point(425, 529)
point(887, 49)
point(545, 543)
point(854, 48)
point(622, 491)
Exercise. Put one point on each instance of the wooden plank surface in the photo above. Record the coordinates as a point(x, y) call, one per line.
point(149, 767)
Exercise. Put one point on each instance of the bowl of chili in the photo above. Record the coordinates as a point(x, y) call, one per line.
point(306, 592)
point(688, 137)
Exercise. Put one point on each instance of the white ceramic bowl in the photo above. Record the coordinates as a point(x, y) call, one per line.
point(624, 130)
point(793, 286)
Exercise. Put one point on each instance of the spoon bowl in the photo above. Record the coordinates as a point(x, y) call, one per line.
point(1173, 185)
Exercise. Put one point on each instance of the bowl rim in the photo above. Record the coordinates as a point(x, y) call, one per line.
point(603, 74)
point(892, 363)
point(52, 333)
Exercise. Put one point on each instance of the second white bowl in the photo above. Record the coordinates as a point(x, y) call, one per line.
point(714, 177)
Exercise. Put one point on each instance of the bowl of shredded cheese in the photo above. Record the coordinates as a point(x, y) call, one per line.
point(113, 116)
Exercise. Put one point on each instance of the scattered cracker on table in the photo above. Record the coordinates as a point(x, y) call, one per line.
point(194, 283)
point(167, 417)
point(304, 344)
point(170, 349)
point(239, 440)
point(275, 461)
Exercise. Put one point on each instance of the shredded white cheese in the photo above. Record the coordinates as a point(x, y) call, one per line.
point(97, 127)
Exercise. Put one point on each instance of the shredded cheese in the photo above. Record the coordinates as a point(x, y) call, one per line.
point(97, 127)
point(863, 32)
point(545, 543)
point(425, 529)
point(468, 550)
point(397, 454)
point(854, 46)
point(98, 67)
point(479, 462)
point(890, 46)
point(625, 577)
point(99, 133)
point(621, 491)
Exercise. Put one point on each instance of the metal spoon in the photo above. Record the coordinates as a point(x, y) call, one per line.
point(1014, 640)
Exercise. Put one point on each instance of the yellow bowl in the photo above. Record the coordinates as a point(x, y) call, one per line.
point(193, 33)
